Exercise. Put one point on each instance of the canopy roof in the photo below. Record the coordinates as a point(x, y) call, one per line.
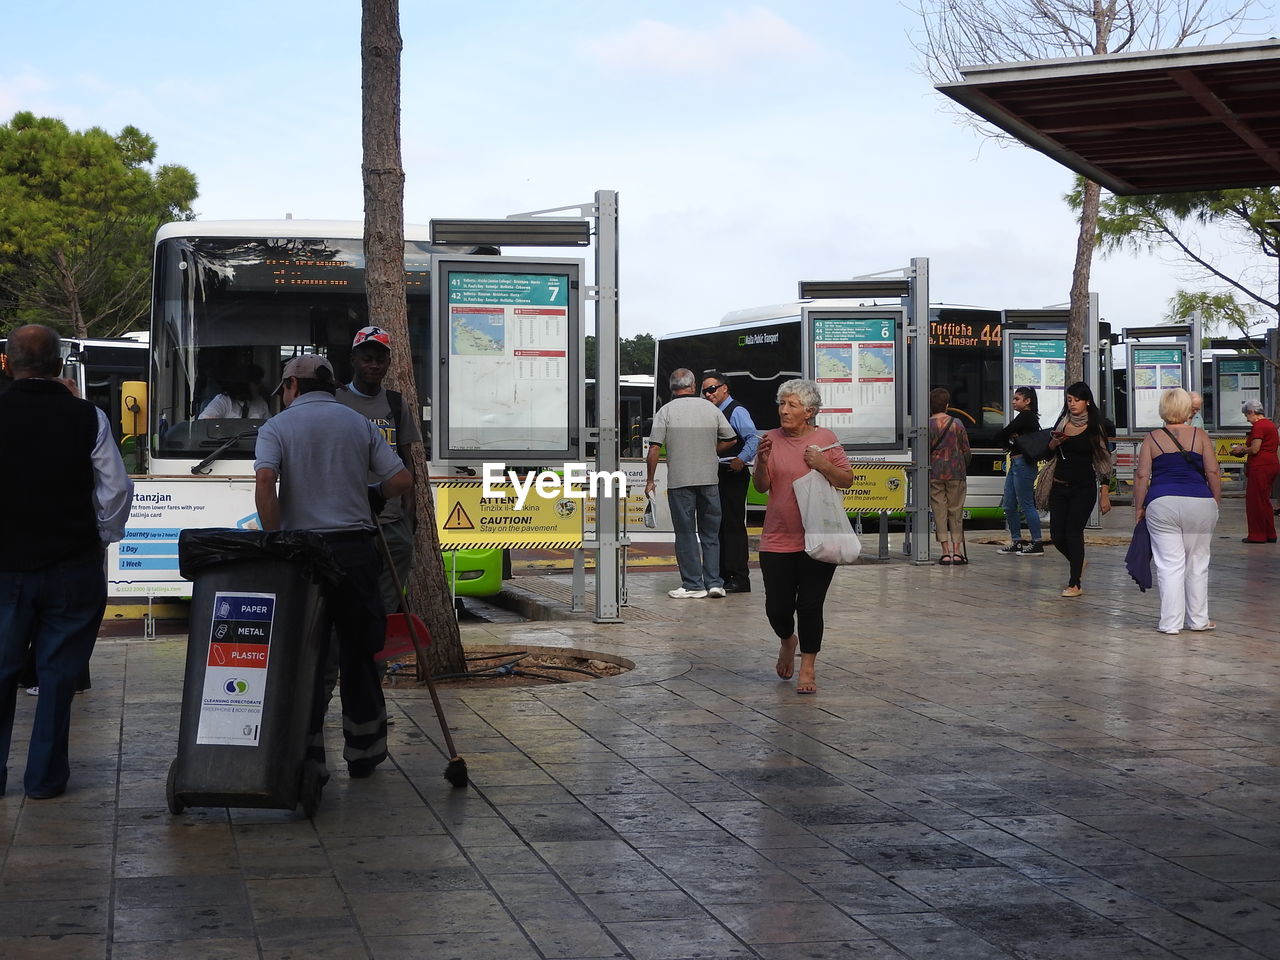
point(1196, 118)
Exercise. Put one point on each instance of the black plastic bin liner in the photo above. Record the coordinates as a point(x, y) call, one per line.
point(198, 550)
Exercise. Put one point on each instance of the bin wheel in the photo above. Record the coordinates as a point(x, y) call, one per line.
point(309, 790)
point(176, 806)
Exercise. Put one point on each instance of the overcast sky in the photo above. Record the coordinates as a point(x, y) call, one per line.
point(752, 144)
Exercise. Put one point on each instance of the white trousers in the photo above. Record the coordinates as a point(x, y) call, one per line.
point(1181, 533)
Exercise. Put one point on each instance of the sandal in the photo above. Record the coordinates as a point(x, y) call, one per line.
point(946, 560)
point(959, 559)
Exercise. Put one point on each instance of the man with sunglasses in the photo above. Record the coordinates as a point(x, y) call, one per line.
point(735, 478)
point(693, 434)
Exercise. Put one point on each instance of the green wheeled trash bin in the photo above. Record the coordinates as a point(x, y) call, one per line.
point(256, 640)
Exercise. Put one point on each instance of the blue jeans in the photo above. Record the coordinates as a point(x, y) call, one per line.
point(1020, 494)
point(57, 610)
point(695, 515)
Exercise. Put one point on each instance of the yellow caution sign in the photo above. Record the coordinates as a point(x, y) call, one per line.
point(458, 519)
point(476, 522)
point(1222, 449)
point(876, 488)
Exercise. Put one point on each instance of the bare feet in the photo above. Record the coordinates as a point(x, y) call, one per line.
point(807, 682)
point(787, 657)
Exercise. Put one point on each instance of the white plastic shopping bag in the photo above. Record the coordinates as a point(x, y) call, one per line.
point(827, 534)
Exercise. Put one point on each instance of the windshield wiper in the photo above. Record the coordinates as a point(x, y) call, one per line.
point(230, 442)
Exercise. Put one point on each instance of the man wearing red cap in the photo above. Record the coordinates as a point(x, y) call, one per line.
point(370, 360)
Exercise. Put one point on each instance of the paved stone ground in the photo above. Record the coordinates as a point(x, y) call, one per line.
point(988, 770)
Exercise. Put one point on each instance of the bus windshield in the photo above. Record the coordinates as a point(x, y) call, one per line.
point(229, 311)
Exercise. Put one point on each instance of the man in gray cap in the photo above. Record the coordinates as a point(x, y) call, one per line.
point(323, 455)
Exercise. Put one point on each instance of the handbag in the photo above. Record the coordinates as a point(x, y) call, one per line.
point(1044, 484)
point(827, 534)
point(1034, 445)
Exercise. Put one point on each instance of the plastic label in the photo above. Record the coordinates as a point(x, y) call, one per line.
point(235, 674)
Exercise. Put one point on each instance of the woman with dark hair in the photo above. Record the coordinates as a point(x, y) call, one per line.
point(1079, 447)
point(1020, 480)
point(948, 476)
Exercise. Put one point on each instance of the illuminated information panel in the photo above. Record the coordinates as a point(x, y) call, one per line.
point(510, 377)
point(1236, 379)
point(854, 357)
point(1039, 362)
point(1152, 370)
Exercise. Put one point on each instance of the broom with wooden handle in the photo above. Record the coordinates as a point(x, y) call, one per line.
point(456, 771)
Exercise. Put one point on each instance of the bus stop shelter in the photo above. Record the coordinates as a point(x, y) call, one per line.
point(1195, 118)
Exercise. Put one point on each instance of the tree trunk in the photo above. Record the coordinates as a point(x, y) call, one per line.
point(380, 47)
point(1078, 318)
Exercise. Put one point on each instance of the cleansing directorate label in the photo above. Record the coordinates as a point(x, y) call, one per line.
point(235, 674)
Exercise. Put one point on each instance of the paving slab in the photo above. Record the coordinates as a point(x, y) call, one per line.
point(988, 770)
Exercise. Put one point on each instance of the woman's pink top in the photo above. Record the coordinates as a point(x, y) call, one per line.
point(783, 531)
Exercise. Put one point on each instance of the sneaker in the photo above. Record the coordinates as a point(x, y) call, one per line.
point(1072, 592)
point(33, 691)
point(680, 593)
point(1032, 549)
point(1012, 548)
point(716, 592)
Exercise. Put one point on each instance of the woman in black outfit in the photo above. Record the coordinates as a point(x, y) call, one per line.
point(1080, 445)
point(1020, 481)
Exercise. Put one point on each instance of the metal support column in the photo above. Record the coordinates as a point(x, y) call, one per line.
point(608, 503)
point(918, 332)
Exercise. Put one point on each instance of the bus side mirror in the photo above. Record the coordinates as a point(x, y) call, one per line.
point(133, 408)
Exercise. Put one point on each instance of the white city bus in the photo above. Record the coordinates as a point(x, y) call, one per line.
point(229, 297)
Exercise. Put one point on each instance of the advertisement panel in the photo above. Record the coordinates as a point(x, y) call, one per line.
point(145, 562)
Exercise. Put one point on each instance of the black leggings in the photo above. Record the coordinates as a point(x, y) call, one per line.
point(795, 587)
point(1069, 508)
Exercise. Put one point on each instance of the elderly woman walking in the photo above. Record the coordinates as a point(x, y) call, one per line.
point(1260, 470)
point(795, 584)
point(1177, 487)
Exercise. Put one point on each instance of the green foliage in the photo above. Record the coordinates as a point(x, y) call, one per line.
point(1219, 312)
point(1168, 222)
point(635, 355)
point(78, 212)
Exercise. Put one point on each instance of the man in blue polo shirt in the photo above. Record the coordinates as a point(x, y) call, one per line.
point(735, 478)
point(323, 454)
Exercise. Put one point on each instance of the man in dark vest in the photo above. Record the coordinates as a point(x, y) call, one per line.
point(66, 496)
point(735, 478)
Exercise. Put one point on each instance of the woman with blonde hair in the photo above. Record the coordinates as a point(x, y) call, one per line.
point(1177, 487)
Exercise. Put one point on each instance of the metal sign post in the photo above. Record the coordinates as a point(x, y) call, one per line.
point(917, 304)
point(537, 228)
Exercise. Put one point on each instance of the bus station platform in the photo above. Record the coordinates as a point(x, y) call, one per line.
point(987, 770)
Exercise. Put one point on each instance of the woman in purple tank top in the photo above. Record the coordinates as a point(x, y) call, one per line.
point(1177, 487)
